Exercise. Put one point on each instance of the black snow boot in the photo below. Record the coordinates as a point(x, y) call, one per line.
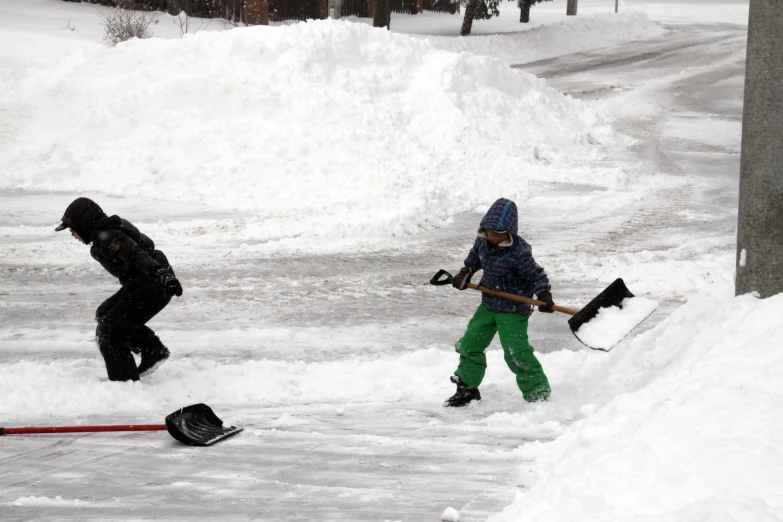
point(151, 360)
point(464, 394)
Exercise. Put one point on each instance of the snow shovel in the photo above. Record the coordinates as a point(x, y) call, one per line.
point(195, 425)
point(602, 334)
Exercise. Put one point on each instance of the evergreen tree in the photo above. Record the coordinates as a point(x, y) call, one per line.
point(478, 10)
point(486, 9)
point(524, 9)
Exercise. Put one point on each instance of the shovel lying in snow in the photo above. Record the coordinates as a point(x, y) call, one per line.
point(600, 325)
point(195, 425)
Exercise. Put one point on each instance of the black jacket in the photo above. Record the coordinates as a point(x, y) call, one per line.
point(118, 246)
point(125, 252)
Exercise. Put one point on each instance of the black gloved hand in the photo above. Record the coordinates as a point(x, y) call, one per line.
point(546, 296)
point(173, 287)
point(461, 280)
point(169, 281)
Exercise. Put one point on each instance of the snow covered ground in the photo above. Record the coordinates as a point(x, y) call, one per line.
point(306, 182)
point(696, 438)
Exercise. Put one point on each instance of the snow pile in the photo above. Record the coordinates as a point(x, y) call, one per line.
point(698, 436)
point(57, 501)
point(694, 11)
point(78, 387)
point(327, 129)
point(570, 35)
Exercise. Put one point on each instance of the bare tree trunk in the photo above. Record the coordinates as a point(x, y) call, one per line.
point(571, 8)
point(379, 13)
point(524, 11)
point(470, 12)
point(382, 15)
point(257, 12)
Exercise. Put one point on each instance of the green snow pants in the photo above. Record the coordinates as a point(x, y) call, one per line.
point(517, 352)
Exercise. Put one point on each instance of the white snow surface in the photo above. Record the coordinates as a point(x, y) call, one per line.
point(613, 323)
point(540, 40)
point(326, 129)
point(57, 501)
point(697, 434)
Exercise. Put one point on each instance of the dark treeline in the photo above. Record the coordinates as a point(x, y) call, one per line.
point(233, 10)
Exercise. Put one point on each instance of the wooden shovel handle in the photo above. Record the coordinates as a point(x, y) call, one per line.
point(514, 297)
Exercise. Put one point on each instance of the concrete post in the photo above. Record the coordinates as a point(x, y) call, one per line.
point(760, 221)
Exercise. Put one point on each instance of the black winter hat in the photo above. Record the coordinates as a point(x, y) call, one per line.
point(80, 216)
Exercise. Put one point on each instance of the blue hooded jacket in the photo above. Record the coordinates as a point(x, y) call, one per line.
point(508, 267)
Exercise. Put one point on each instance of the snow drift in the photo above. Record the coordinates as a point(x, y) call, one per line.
point(576, 34)
point(325, 129)
point(693, 433)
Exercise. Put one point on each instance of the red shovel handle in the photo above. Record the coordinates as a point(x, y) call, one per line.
point(77, 429)
point(196, 425)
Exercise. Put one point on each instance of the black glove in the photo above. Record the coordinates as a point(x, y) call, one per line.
point(173, 287)
point(461, 280)
point(546, 296)
point(169, 281)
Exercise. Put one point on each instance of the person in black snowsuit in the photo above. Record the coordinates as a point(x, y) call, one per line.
point(148, 284)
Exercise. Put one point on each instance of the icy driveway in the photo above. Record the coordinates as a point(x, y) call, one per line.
point(362, 332)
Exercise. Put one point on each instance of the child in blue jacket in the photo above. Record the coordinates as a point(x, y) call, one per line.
point(508, 264)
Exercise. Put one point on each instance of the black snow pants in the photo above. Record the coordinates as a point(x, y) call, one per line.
point(122, 327)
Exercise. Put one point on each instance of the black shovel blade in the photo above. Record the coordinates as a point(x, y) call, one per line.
point(197, 425)
point(613, 295)
point(605, 336)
